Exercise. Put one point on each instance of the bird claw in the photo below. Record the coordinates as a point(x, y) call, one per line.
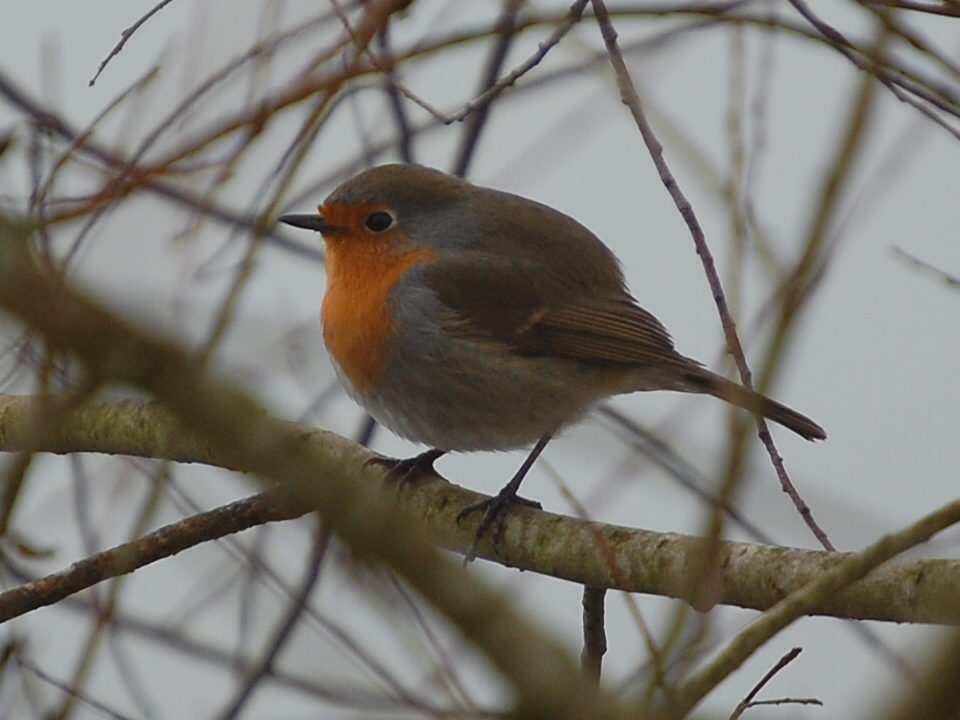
point(403, 471)
point(494, 513)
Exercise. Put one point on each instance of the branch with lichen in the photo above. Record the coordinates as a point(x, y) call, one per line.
point(589, 553)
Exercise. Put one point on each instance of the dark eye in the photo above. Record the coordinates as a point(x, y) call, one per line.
point(379, 221)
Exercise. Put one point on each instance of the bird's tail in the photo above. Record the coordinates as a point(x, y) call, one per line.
point(702, 380)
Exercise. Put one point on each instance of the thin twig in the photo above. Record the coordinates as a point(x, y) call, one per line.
point(572, 18)
point(288, 623)
point(126, 35)
point(951, 281)
point(788, 658)
point(629, 96)
point(668, 460)
point(82, 697)
point(141, 179)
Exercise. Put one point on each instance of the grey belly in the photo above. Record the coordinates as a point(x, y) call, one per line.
point(471, 396)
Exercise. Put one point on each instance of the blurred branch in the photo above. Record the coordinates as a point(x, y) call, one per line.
point(588, 553)
point(950, 8)
point(474, 124)
point(135, 178)
point(401, 118)
point(237, 661)
point(371, 523)
point(852, 567)
point(931, 95)
point(284, 631)
point(920, 94)
point(563, 26)
point(937, 695)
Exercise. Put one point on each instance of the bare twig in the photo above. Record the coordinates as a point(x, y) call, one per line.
point(508, 80)
point(951, 281)
point(126, 35)
point(138, 178)
point(72, 692)
point(405, 133)
point(748, 701)
point(948, 8)
point(631, 99)
point(264, 667)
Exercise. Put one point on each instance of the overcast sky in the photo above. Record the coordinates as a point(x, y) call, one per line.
point(875, 359)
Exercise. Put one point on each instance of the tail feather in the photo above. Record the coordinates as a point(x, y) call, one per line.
point(707, 382)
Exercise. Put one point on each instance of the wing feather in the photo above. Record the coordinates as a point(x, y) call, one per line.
point(496, 299)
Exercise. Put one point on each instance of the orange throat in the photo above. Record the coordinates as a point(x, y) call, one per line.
point(356, 314)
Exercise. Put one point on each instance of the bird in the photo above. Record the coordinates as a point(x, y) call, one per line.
point(469, 319)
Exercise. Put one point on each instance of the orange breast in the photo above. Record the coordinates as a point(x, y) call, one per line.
point(356, 313)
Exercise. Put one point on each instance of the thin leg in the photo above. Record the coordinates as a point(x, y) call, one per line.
point(495, 509)
point(409, 469)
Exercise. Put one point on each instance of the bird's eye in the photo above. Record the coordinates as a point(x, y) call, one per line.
point(379, 221)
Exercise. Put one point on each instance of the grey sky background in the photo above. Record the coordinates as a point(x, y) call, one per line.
point(875, 360)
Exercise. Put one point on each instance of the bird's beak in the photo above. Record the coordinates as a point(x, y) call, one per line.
point(308, 222)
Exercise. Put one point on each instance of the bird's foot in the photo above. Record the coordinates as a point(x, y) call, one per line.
point(407, 470)
point(494, 513)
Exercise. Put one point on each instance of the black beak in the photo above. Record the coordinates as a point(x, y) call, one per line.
point(308, 222)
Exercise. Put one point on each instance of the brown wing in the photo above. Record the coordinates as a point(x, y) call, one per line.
point(609, 327)
point(496, 299)
point(574, 317)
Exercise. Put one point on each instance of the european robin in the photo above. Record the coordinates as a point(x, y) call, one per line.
point(470, 319)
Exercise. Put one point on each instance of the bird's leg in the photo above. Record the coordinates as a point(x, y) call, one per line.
point(407, 470)
point(495, 508)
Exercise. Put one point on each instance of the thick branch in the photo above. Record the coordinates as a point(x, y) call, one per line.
point(592, 554)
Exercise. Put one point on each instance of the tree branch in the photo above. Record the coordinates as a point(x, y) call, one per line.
point(594, 554)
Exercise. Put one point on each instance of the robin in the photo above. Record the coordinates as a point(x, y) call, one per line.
point(469, 319)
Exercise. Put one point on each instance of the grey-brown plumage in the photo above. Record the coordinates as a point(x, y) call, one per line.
point(514, 320)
